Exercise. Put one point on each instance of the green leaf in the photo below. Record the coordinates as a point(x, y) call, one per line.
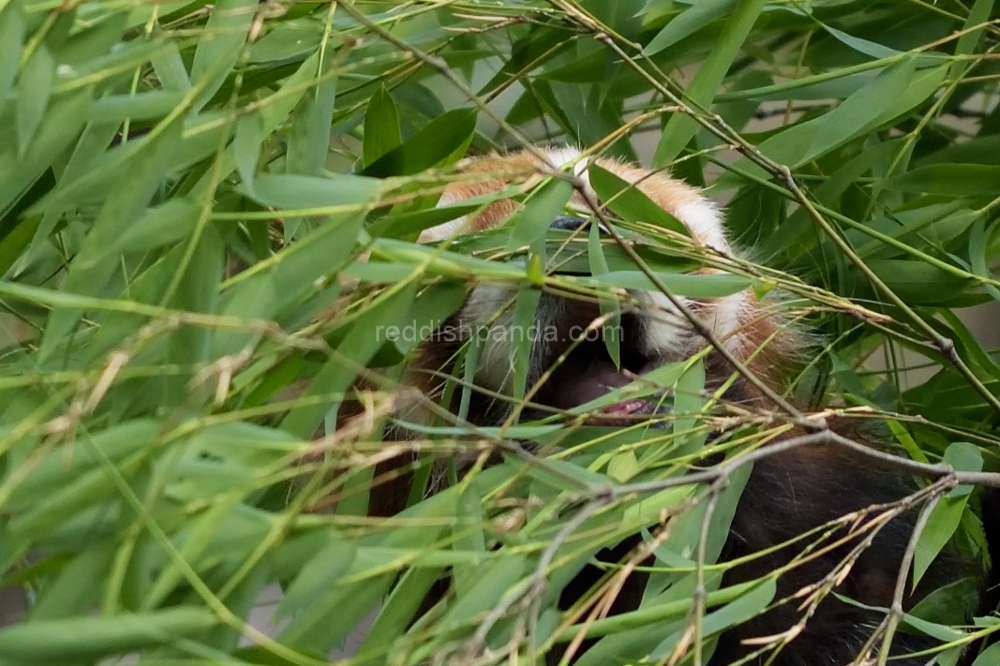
point(408, 225)
point(953, 180)
point(170, 68)
point(689, 401)
point(495, 581)
point(93, 42)
point(623, 466)
point(804, 142)
point(73, 592)
point(943, 522)
point(247, 140)
point(947, 515)
point(294, 192)
point(88, 274)
point(398, 610)
point(917, 282)
point(338, 610)
point(309, 142)
point(33, 91)
point(951, 604)
point(470, 537)
point(978, 15)
point(318, 575)
point(195, 286)
point(964, 457)
point(11, 39)
point(197, 536)
point(381, 127)
point(289, 40)
point(442, 141)
point(142, 106)
point(161, 225)
point(924, 84)
point(64, 118)
point(64, 464)
point(610, 307)
point(874, 49)
point(989, 656)
point(707, 82)
point(714, 285)
point(622, 17)
point(365, 337)
point(432, 307)
point(748, 605)
point(692, 19)
point(276, 288)
point(88, 637)
point(521, 324)
point(540, 210)
point(13, 244)
point(630, 202)
point(220, 45)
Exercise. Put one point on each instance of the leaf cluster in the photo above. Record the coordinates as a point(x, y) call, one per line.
point(208, 216)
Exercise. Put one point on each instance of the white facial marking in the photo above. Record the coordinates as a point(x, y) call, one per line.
point(446, 230)
point(492, 305)
point(560, 157)
point(702, 217)
point(665, 330)
point(728, 318)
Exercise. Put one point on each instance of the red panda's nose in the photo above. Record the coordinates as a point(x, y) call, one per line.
point(568, 223)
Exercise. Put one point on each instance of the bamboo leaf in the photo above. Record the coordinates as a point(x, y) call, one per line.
point(220, 45)
point(295, 192)
point(945, 517)
point(82, 637)
point(63, 120)
point(33, 91)
point(309, 141)
point(442, 141)
point(540, 210)
point(12, 27)
point(381, 127)
point(949, 179)
point(630, 202)
point(88, 275)
point(692, 19)
point(805, 142)
point(680, 128)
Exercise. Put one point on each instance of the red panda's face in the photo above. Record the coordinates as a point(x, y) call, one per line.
point(569, 363)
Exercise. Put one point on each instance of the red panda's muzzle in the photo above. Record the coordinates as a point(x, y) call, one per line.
point(600, 380)
point(574, 370)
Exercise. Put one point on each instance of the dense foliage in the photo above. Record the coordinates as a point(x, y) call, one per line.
point(186, 194)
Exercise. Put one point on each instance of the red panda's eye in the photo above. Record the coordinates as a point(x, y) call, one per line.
point(568, 223)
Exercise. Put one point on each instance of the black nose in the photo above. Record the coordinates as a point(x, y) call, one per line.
point(567, 223)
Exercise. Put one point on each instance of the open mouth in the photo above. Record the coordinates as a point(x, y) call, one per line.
point(589, 382)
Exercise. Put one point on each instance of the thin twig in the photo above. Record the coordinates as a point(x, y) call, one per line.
point(896, 610)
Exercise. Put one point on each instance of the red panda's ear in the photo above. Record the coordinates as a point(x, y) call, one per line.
point(696, 212)
point(492, 173)
point(486, 175)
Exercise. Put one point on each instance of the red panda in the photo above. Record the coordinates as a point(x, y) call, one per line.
point(786, 495)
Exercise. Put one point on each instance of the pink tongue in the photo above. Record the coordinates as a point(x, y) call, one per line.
point(626, 407)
